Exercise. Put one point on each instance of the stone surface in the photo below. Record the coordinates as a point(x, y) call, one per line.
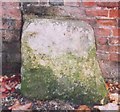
point(59, 61)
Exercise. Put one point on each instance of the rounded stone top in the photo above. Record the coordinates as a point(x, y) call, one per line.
point(55, 37)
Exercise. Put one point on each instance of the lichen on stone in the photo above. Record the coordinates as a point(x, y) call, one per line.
point(66, 77)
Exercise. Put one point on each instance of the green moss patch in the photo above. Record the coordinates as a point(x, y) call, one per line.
point(66, 77)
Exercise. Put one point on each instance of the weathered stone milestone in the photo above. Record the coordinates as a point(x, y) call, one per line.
point(59, 61)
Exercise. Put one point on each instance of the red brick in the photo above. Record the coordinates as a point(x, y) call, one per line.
point(12, 13)
point(9, 5)
point(76, 12)
point(0, 25)
point(115, 13)
point(97, 12)
point(102, 41)
point(1, 5)
point(71, 4)
point(18, 24)
point(102, 32)
point(107, 4)
point(11, 68)
point(114, 40)
point(9, 46)
point(116, 32)
point(88, 4)
point(114, 57)
point(10, 35)
point(102, 56)
point(41, 1)
point(119, 22)
point(8, 24)
point(0, 11)
point(90, 21)
point(104, 48)
point(75, 3)
point(113, 49)
point(13, 57)
point(106, 22)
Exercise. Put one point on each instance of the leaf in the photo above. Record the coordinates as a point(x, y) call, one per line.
point(114, 97)
point(7, 87)
point(3, 96)
point(1, 78)
point(9, 84)
point(107, 85)
point(24, 107)
point(18, 106)
point(109, 106)
point(2, 89)
point(83, 108)
point(17, 103)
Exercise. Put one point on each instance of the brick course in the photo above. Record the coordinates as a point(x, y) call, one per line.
point(97, 12)
point(107, 22)
point(108, 4)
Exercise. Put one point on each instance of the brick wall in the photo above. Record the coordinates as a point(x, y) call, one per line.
point(10, 15)
point(103, 17)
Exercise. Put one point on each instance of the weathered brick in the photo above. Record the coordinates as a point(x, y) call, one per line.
point(113, 49)
point(114, 40)
point(102, 40)
point(10, 5)
point(107, 22)
point(4, 57)
point(104, 48)
point(18, 24)
point(0, 34)
point(102, 32)
point(0, 27)
point(0, 12)
point(11, 24)
point(8, 24)
point(13, 57)
point(12, 13)
point(8, 47)
point(109, 69)
point(116, 32)
point(90, 21)
point(76, 12)
point(0, 47)
point(56, 2)
point(102, 56)
point(114, 57)
point(72, 3)
point(11, 68)
point(97, 12)
point(1, 3)
point(44, 2)
point(114, 13)
point(0, 64)
point(108, 4)
point(88, 4)
point(10, 35)
point(119, 22)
